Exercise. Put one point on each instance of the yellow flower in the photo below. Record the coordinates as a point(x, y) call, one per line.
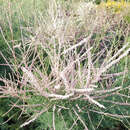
point(116, 6)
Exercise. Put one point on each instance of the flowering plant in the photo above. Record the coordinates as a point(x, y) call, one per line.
point(116, 6)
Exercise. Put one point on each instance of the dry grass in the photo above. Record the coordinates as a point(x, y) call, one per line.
point(62, 61)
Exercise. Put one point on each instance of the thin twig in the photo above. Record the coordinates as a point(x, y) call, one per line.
point(54, 108)
point(86, 128)
point(35, 117)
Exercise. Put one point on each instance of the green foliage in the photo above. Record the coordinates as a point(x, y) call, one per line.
point(127, 18)
point(13, 123)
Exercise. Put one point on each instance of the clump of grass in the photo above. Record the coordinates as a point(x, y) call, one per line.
point(67, 58)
